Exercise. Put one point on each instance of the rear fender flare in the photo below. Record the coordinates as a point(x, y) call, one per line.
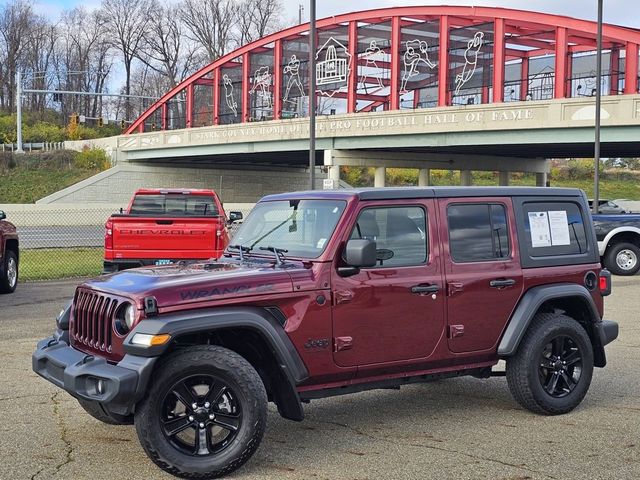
point(530, 304)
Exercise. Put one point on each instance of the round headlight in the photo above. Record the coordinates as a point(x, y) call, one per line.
point(124, 318)
point(129, 316)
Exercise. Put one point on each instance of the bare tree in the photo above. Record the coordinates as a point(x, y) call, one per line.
point(257, 18)
point(128, 22)
point(166, 50)
point(16, 20)
point(83, 59)
point(39, 55)
point(209, 23)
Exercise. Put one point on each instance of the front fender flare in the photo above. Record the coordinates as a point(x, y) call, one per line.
point(209, 320)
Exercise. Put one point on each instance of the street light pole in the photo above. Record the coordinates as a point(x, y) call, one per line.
point(19, 112)
point(596, 156)
point(312, 94)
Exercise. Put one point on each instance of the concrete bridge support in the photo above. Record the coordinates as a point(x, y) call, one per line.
point(380, 178)
point(541, 179)
point(425, 162)
point(424, 177)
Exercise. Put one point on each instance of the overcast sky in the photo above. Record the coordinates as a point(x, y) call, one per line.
point(622, 12)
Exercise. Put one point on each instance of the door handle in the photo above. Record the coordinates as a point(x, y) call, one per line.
point(501, 283)
point(164, 222)
point(423, 289)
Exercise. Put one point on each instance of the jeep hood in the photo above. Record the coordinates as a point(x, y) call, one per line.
point(198, 282)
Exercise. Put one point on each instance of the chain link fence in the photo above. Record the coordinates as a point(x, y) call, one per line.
point(66, 242)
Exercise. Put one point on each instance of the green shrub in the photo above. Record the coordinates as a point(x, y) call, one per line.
point(92, 159)
point(43, 132)
point(357, 176)
point(8, 129)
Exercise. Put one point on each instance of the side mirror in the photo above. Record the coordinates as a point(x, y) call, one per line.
point(234, 217)
point(2, 215)
point(358, 254)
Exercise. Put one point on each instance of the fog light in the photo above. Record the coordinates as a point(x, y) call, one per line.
point(100, 386)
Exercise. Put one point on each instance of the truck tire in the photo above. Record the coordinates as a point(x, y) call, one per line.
point(204, 414)
point(96, 411)
point(9, 273)
point(552, 369)
point(622, 258)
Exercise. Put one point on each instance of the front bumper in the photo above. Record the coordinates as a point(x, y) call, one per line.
point(117, 387)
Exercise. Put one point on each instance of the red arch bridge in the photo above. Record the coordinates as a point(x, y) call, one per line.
point(420, 87)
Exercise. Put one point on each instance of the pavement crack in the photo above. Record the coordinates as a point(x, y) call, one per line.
point(442, 449)
point(63, 434)
point(19, 397)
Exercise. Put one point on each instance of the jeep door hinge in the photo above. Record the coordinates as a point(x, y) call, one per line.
point(342, 343)
point(456, 331)
point(454, 287)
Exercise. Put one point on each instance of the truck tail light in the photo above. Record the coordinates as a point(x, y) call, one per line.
point(605, 282)
point(108, 235)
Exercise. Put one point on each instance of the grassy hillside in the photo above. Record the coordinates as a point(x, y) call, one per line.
point(609, 188)
point(29, 177)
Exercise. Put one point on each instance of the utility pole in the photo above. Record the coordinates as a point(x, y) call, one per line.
point(312, 94)
point(19, 112)
point(300, 10)
point(596, 156)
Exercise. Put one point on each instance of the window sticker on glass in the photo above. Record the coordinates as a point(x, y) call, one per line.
point(540, 234)
point(321, 243)
point(559, 228)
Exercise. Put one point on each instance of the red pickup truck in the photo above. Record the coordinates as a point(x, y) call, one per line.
point(162, 226)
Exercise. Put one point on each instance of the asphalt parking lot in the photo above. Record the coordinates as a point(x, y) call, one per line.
point(451, 429)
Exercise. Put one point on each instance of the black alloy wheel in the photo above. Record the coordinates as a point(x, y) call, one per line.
point(200, 415)
point(560, 366)
point(551, 371)
point(204, 414)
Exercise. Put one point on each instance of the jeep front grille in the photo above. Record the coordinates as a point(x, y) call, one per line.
point(92, 319)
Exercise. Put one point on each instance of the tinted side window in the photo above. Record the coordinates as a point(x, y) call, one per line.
point(478, 232)
point(554, 228)
point(400, 234)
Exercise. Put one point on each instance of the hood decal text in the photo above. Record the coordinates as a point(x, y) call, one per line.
point(220, 291)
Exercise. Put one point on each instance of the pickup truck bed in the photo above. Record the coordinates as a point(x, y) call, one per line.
point(164, 226)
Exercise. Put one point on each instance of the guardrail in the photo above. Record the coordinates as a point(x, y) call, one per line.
point(33, 147)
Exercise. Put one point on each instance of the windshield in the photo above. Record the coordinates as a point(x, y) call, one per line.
point(174, 204)
point(302, 227)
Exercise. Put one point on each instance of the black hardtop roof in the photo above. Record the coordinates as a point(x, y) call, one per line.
point(399, 193)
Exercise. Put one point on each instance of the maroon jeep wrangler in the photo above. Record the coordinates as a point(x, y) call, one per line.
point(9, 255)
point(333, 292)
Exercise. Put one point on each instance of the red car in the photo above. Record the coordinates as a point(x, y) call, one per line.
point(333, 292)
point(9, 255)
point(162, 226)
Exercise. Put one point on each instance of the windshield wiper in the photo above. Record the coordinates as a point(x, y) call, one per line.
point(242, 249)
point(277, 252)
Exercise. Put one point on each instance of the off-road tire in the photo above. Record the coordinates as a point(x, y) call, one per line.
point(523, 368)
point(6, 285)
point(610, 259)
point(98, 412)
point(250, 393)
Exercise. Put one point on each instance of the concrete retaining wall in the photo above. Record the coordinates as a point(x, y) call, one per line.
point(64, 214)
point(235, 185)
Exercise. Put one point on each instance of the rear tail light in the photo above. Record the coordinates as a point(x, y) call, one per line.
point(605, 282)
point(108, 235)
